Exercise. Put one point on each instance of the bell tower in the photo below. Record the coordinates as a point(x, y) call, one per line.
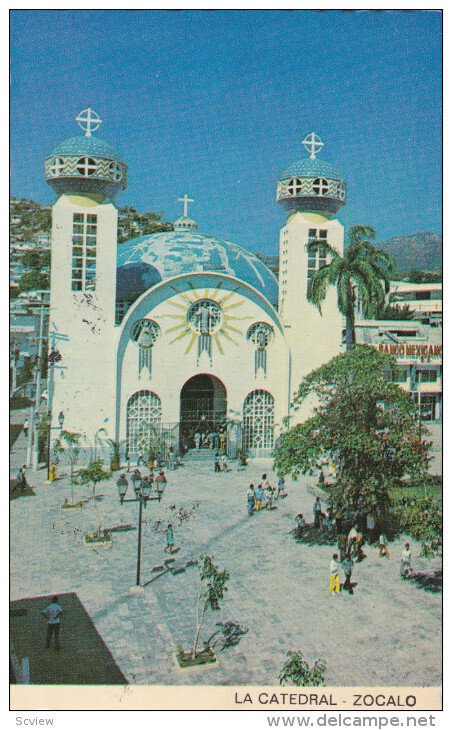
point(311, 192)
point(86, 174)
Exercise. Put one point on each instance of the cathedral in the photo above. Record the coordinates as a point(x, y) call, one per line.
point(182, 332)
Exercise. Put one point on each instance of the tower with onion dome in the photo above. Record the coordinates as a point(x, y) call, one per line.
point(311, 191)
point(86, 174)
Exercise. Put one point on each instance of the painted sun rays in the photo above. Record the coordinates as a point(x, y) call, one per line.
point(225, 305)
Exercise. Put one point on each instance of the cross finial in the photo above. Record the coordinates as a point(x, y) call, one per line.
point(89, 121)
point(313, 144)
point(185, 200)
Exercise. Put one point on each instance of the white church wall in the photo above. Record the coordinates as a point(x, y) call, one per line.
point(175, 354)
point(313, 337)
point(83, 322)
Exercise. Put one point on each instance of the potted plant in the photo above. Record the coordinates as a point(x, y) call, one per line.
point(115, 463)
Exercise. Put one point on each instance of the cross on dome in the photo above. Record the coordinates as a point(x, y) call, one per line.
point(89, 121)
point(185, 200)
point(313, 144)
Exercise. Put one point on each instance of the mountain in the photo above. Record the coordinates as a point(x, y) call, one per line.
point(415, 251)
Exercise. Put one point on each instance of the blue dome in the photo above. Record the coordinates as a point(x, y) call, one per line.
point(82, 145)
point(182, 251)
point(311, 168)
point(133, 279)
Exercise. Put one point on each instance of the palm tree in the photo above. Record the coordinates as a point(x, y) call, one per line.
point(362, 273)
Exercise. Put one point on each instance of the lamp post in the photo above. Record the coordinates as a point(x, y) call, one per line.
point(49, 430)
point(142, 496)
point(35, 454)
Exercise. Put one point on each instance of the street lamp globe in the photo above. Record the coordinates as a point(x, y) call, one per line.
point(122, 488)
point(146, 490)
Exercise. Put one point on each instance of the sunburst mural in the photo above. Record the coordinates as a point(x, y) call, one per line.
point(206, 317)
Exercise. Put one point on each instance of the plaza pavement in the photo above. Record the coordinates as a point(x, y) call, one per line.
point(387, 633)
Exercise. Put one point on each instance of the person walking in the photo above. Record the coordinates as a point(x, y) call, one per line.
point(259, 497)
point(25, 427)
point(216, 462)
point(140, 460)
point(281, 492)
point(352, 535)
point(21, 481)
point(197, 440)
point(406, 570)
point(383, 544)
point(370, 526)
point(317, 510)
point(52, 613)
point(224, 463)
point(169, 539)
point(171, 458)
point(347, 567)
point(335, 585)
point(161, 483)
point(250, 500)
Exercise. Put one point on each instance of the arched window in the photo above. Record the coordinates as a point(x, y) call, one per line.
point(295, 186)
point(258, 422)
point(115, 171)
point(57, 166)
point(144, 417)
point(320, 186)
point(86, 166)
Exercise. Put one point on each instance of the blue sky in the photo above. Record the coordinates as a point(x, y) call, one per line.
point(216, 103)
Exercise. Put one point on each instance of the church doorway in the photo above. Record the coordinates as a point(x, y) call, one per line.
point(203, 408)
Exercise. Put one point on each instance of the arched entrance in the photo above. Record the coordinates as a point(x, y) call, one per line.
point(203, 407)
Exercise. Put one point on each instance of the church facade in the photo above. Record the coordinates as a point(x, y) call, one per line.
point(181, 332)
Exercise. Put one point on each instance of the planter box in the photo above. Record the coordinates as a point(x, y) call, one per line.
point(77, 505)
point(94, 543)
point(195, 667)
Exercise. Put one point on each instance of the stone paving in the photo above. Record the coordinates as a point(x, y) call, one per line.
point(387, 633)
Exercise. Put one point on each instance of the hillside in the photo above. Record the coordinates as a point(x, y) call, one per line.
point(29, 220)
point(415, 251)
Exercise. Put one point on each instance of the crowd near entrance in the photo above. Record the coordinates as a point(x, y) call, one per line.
point(203, 411)
point(203, 421)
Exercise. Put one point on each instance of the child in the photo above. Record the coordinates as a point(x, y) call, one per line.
point(259, 498)
point(169, 539)
point(250, 500)
point(281, 488)
point(269, 497)
point(383, 542)
point(405, 563)
point(335, 585)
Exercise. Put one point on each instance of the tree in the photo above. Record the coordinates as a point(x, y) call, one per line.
point(33, 280)
point(69, 443)
point(422, 519)
point(211, 589)
point(92, 475)
point(362, 273)
point(297, 671)
point(393, 312)
point(366, 423)
point(116, 453)
point(36, 259)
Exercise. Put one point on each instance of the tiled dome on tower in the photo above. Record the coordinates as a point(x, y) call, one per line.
point(311, 184)
point(86, 164)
